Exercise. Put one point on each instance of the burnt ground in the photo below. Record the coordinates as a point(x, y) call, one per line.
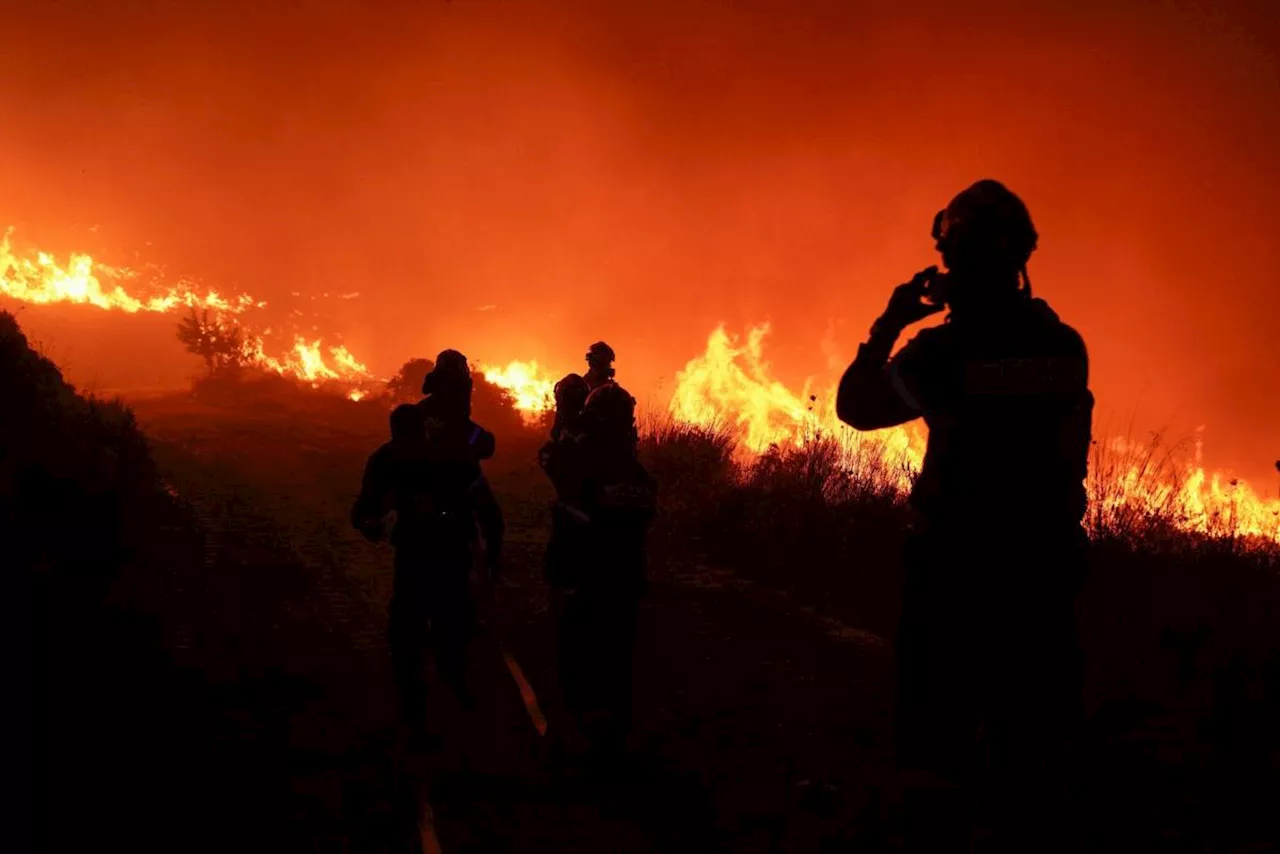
point(238, 694)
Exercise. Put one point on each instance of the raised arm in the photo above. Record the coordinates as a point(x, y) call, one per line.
point(871, 394)
point(876, 391)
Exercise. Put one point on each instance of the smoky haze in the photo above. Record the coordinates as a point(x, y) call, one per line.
point(518, 179)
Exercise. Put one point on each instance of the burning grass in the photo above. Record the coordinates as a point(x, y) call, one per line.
point(1154, 495)
point(1141, 492)
point(1177, 625)
point(1142, 496)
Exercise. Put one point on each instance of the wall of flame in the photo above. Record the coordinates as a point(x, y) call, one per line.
point(729, 387)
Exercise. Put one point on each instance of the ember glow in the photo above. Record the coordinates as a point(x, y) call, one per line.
point(729, 387)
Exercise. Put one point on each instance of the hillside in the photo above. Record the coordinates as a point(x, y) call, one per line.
point(210, 670)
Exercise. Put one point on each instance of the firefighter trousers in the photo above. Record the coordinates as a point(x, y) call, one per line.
point(595, 642)
point(431, 607)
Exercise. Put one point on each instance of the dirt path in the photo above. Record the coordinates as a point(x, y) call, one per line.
point(762, 722)
point(760, 726)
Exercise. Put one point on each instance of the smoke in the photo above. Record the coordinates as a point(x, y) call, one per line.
point(517, 179)
point(834, 345)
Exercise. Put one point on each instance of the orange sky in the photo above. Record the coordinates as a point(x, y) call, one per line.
point(641, 172)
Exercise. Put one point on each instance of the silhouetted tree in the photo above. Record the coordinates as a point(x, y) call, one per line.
point(407, 383)
point(219, 343)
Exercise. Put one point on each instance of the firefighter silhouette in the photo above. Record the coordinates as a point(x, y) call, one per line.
point(447, 401)
point(596, 564)
point(559, 461)
point(996, 555)
point(600, 359)
point(429, 475)
point(570, 397)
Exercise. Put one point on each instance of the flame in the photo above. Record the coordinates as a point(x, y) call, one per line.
point(729, 387)
point(42, 280)
point(347, 362)
point(306, 361)
point(532, 393)
point(1133, 480)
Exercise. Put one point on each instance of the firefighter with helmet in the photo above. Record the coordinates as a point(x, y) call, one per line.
point(566, 544)
point(598, 572)
point(570, 394)
point(600, 359)
point(429, 475)
point(996, 555)
point(446, 410)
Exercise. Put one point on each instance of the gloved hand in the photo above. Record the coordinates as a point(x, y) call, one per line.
point(909, 303)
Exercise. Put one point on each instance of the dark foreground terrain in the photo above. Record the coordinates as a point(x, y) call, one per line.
point(233, 692)
point(761, 723)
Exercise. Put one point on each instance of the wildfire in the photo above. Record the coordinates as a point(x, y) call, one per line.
point(531, 392)
point(306, 361)
point(1129, 480)
point(42, 280)
point(729, 387)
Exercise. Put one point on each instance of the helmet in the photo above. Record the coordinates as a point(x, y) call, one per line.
point(985, 226)
point(452, 362)
point(611, 404)
point(600, 354)
point(571, 392)
point(451, 371)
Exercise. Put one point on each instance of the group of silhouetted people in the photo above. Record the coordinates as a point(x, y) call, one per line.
point(605, 501)
point(447, 520)
point(989, 672)
point(428, 475)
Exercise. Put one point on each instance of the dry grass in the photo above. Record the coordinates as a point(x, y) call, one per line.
point(829, 518)
point(1145, 495)
point(1177, 622)
point(1141, 493)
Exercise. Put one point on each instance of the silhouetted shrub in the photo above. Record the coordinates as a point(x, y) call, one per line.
point(406, 385)
point(70, 468)
point(219, 342)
